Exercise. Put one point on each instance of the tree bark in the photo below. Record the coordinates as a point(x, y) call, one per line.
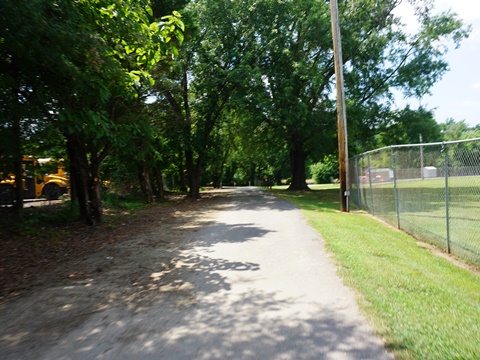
point(181, 175)
point(159, 188)
point(218, 174)
point(96, 208)
point(17, 149)
point(297, 167)
point(217, 180)
point(17, 166)
point(77, 175)
point(193, 175)
point(85, 178)
point(73, 186)
point(145, 182)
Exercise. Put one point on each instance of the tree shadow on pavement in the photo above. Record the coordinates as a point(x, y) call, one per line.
point(228, 233)
point(255, 326)
point(183, 309)
point(157, 299)
point(118, 286)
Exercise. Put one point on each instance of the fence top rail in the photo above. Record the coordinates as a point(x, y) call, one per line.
point(421, 144)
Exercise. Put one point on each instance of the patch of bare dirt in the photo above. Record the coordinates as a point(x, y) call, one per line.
point(52, 285)
point(55, 254)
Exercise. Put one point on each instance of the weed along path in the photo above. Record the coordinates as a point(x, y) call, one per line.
point(246, 279)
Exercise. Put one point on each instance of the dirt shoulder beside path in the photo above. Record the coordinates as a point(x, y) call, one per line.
point(41, 257)
point(49, 289)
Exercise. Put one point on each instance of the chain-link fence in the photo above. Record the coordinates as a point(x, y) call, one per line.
point(431, 191)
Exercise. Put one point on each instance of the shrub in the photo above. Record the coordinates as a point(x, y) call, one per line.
point(324, 171)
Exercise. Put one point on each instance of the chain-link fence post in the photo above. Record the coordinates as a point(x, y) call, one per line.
point(421, 159)
point(357, 181)
point(395, 189)
point(370, 183)
point(447, 213)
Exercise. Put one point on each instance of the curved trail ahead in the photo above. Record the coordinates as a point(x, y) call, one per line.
point(253, 283)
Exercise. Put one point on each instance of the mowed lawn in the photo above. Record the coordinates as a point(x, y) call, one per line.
point(423, 209)
point(422, 305)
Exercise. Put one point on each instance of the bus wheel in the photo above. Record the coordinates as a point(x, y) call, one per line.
point(6, 194)
point(52, 191)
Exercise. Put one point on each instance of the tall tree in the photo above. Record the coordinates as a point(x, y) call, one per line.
point(215, 62)
point(458, 130)
point(408, 126)
point(296, 64)
point(29, 71)
point(84, 62)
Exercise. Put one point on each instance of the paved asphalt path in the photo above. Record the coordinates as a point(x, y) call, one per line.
point(255, 284)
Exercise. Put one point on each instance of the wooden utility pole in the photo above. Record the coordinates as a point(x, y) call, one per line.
point(341, 112)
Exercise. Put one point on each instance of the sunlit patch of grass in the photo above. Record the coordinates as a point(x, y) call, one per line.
point(127, 203)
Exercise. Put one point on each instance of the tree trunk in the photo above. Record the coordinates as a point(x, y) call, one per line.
point(17, 166)
point(158, 180)
point(96, 209)
point(297, 167)
point(217, 180)
point(86, 187)
point(193, 176)
point(145, 182)
point(17, 153)
point(181, 174)
point(73, 187)
point(76, 178)
point(217, 175)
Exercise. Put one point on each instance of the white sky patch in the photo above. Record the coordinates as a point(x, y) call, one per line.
point(455, 95)
point(406, 12)
point(469, 10)
point(470, 103)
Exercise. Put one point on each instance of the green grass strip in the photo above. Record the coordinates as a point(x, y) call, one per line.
point(422, 305)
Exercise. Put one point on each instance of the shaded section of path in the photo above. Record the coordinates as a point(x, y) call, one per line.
point(254, 284)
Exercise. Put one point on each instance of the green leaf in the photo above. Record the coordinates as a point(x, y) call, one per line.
point(149, 10)
point(179, 35)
